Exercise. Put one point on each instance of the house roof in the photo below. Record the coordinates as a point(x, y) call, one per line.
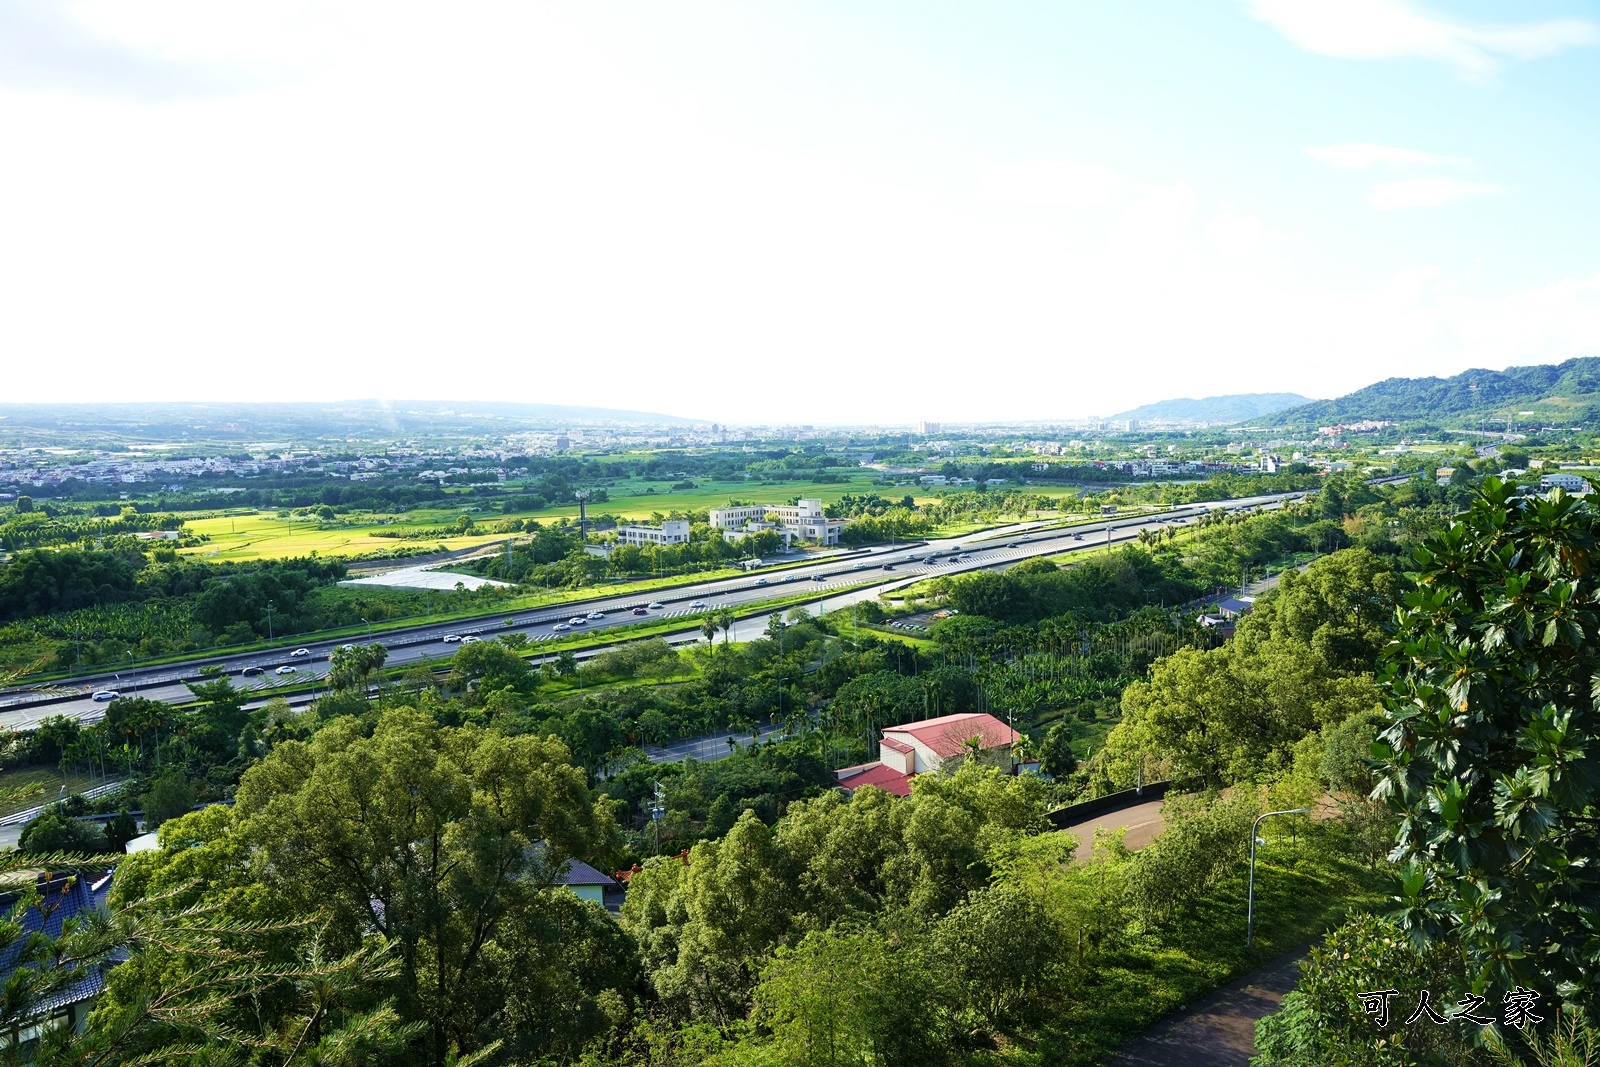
point(886, 778)
point(61, 897)
point(897, 745)
point(580, 873)
point(948, 734)
point(575, 872)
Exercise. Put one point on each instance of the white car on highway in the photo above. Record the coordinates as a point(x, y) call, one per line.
point(561, 627)
point(577, 620)
point(287, 670)
point(106, 694)
point(597, 614)
point(451, 639)
point(300, 653)
point(698, 605)
point(470, 640)
point(653, 606)
point(761, 581)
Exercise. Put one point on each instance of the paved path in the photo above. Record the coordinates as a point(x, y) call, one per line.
point(1142, 821)
point(707, 749)
point(1219, 1030)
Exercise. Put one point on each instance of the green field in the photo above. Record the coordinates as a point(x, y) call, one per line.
point(265, 536)
point(29, 787)
point(253, 535)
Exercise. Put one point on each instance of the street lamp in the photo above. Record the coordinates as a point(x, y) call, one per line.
point(1250, 908)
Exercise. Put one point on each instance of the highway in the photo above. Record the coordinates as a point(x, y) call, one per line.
point(828, 580)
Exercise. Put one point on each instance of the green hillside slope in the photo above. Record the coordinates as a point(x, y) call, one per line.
point(1564, 392)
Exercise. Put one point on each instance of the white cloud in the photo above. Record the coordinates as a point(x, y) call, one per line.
point(1410, 285)
point(1050, 184)
point(1426, 192)
point(1393, 29)
point(1153, 233)
point(1240, 235)
point(1362, 156)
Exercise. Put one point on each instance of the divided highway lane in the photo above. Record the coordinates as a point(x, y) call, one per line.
point(425, 644)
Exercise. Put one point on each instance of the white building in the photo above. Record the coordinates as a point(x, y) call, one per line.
point(671, 532)
point(798, 522)
point(1570, 482)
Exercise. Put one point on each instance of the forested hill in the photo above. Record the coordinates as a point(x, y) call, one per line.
point(1235, 407)
point(1564, 392)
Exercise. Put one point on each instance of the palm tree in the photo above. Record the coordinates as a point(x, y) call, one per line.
point(725, 621)
point(708, 628)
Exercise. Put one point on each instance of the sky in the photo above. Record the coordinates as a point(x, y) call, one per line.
point(840, 211)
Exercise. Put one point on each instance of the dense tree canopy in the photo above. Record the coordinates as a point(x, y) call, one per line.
point(1489, 754)
point(1300, 663)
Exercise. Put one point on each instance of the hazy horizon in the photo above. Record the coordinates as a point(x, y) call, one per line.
point(834, 214)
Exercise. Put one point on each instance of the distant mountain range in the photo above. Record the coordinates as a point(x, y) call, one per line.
point(1564, 392)
point(272, 421)
point(1235, 407)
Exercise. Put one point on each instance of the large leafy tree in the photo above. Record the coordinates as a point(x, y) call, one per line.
point(1489, 753)
point(1302, 661)
point(444, 843)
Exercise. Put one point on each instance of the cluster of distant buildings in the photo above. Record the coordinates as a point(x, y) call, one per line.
point(1571, 483)
point(51, 468)
point(803, 521)
point(1343, 428)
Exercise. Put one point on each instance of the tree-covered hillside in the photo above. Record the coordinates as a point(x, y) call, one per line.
point(1568, 392)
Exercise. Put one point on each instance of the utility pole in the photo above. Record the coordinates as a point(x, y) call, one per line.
point(658, 811)
point(1250, 907)
point(582, 497)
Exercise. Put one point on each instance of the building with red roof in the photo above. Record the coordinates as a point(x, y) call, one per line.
point(911, 749)
point(885, 778)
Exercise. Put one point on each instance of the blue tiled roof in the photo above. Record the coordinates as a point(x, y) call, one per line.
point(580, 873)
point(61, 897)
point(576, 871)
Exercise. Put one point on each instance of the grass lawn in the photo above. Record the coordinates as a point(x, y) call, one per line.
point(265, 536)
point(1303, 888)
